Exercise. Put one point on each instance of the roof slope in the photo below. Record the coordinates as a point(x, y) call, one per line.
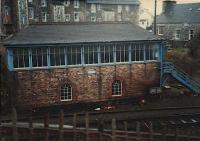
point(114, 1)
point(80, 33)
point(183, 13)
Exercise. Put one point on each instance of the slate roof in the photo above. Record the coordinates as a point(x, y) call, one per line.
point(183, 13)
point(135, 2)
point(80, 33)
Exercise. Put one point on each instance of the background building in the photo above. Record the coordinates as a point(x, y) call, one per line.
point(83, 10)
point(179, 22)
point(14, 16)
point(145, 18)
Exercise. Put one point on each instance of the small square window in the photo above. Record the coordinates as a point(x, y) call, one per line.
point(43, 3)
point(116, 88)
point(161, 30)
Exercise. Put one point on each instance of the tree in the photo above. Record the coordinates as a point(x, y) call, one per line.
point(194, 46)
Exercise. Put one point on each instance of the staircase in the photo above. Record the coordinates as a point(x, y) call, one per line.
point(181, 76)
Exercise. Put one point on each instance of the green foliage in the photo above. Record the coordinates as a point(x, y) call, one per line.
point(194, 46)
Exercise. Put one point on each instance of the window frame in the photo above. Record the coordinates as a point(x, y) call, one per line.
point(22, 56)
point(119, 9)
point(93, 17)
point(31, 13)
point(44, 17)
point(161, 29)
point(43, 55)
point(191, 35)
point(119, 88)
point(69, 17)
point(76, 4)
point(177, 34)
point(76, 19)
point(65, 88)
point(43, 3)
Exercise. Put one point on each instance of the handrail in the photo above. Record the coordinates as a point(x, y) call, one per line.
point(169, 67)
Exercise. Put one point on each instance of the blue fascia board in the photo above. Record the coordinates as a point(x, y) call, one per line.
point(77, 43)
point(9, 59)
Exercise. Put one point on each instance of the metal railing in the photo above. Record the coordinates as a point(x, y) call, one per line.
point(181, 76)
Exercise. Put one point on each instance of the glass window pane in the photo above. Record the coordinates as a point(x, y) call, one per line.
point(107, 54)
point(90, 54)
point(66, 92)
point(116, 88)
point(20, 58)
point(74, 55)
point(39, 57)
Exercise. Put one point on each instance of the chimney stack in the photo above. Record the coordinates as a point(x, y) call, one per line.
point(168, 7)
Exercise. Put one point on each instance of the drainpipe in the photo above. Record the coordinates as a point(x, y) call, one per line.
point(0, 18)
point(155, 8)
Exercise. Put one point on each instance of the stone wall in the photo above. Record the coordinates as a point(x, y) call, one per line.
point(170, 29)
point(41, 87)
point(130, 14)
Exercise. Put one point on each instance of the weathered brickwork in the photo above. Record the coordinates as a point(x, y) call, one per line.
point(42, 87)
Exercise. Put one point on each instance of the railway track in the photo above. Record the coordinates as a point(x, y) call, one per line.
point(116, 123)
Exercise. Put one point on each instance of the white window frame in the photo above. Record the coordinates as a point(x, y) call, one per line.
point(93, 8)
point(67, 17)
point(67, 3)
point(127, 8)
point(177, 36)
point(44, 17)
point(66, 92)
point(191, 34)
point(98, 7)
point(31, 13)
point(43, 3)
point(161, 29)
point(76, 19)
point(76, 4)
point(119, 8)
point(116, 88)
point(93, 18)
